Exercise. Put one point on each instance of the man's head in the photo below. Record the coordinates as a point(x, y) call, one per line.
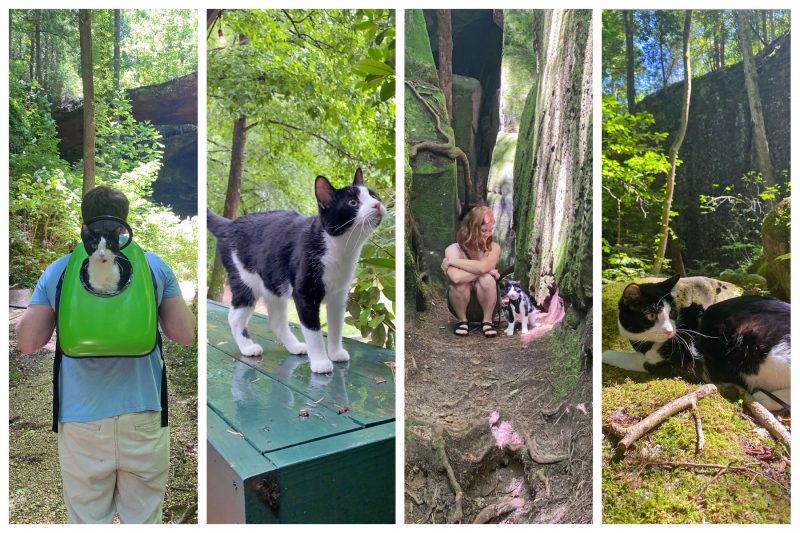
point(104, 200)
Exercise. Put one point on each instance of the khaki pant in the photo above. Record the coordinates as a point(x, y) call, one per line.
point(118, 464)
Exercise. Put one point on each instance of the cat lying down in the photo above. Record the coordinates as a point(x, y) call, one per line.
point(707, 335)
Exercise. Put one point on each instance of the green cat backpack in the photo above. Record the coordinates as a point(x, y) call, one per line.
point(121, 324)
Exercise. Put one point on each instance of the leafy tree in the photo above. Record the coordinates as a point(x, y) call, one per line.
point(317, 90)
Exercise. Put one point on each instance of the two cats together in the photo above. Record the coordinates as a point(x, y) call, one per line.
point(698, 329)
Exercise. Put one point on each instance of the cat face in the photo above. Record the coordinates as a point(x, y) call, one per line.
point(354, 207)
point(647, 311)
point(101, 242)
point(512, 289)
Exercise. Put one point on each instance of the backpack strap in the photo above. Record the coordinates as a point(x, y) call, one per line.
point(164, 391)
point(57, 358)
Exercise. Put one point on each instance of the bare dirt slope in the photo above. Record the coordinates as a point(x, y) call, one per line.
point(453, 386)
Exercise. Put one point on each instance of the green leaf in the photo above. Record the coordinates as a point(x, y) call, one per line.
point(371, 66)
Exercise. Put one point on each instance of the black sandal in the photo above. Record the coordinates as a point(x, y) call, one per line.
point(488, 330)
point(462, 329)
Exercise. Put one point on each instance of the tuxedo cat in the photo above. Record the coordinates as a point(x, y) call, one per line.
point(280, 255)
point(519, 308)
point(744, 340)
point(101, 242)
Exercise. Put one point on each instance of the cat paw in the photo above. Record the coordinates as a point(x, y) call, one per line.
point(339, 355)
point(298, 348)
point(510, 331)
point(251, 350)
point(321, 367)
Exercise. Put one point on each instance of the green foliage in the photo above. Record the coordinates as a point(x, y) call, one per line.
point(317, 88)
point(123, 143)
point(633, 157)
point(735, 214)
point(44, 190)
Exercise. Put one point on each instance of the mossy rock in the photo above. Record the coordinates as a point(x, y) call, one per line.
point(776, 236)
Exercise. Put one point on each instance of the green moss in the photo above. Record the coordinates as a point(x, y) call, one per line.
point(634, 492)
point(565, 348)
point(518, 63)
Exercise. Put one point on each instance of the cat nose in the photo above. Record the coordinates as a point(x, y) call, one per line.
point(377, 205)
point(668, 332)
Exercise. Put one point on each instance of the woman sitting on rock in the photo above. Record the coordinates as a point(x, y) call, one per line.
point(470, 265)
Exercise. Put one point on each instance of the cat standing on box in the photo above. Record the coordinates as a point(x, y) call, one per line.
point(282, 255)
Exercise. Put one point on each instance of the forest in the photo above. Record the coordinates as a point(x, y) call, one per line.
point(695, 182)
point(296, 94)
point(498, 110)
point(99, 97)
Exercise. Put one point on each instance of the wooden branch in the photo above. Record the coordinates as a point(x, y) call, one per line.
point(333, 145)
point(698, 426)
point(763, 416)
point(633, 433)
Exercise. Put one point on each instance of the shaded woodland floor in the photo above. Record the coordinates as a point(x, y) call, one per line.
point(34, 486)
point(453, 386)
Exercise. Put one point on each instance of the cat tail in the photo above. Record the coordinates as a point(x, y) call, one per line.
point(215, 223)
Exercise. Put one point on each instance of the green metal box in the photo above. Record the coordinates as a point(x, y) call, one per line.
point(289, 446)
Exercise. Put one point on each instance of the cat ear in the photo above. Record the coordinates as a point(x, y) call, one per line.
point(84, 230)
point(119, 231)
point(631, 293)
point(358, 180)
point(668, 284)
point(324, 191)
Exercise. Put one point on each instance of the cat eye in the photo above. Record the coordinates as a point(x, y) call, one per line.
point(94, 245)
point(352, 203)
point(651, 316)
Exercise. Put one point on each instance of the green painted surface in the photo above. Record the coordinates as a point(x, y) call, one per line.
point(269, 463)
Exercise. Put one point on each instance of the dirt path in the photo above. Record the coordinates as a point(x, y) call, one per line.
point(456, 385)
point(34, 488)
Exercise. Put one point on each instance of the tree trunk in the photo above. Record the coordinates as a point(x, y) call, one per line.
point(85, 27)
point(760, 144)
point(631, 82)
point(216, 285)
point(676, 144)
point(445, 29)
point(117, 39)
point(32, 54)
point(38, 45)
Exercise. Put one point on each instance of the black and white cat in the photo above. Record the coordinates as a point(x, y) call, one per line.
point(744, 340)
point(101, 242)
point(280, 255)
point(519, 308)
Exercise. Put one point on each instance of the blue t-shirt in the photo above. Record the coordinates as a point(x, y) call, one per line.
point(101, 387)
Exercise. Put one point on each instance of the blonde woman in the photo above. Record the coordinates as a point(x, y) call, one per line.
point(471, 268)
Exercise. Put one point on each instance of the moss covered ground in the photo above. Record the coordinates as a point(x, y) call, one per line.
point(656, 480)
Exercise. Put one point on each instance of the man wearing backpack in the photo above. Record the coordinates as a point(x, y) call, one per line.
point(113, 444)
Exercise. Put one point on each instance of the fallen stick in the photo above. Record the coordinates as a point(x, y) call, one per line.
point(633, 433)
point(726, 468)
point(698, 426)
point(762, 415)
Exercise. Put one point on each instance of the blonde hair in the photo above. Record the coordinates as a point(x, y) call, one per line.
point(469, 236)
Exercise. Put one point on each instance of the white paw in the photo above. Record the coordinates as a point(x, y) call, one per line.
point(323, 366)
point(510, 330)
point(339, 355)
point(524, 331)
point(251, 350)
point(297, 348)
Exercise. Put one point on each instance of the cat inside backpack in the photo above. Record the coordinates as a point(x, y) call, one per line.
point(282, 255)
point(519, 307)
point(102, 244)
point(740, 339)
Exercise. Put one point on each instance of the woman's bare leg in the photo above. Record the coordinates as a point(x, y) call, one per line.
point(459, 298)
point(486, 291)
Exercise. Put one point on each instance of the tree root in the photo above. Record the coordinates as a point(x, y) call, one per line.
point(441, 453)
point(498, 509)
point(633, 433)
point(536, 453)
point(448, 149)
